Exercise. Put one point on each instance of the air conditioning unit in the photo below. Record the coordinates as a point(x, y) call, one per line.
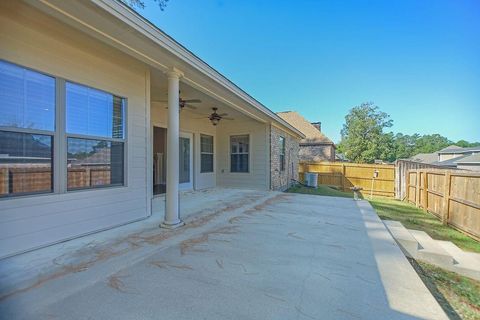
point(311, 179)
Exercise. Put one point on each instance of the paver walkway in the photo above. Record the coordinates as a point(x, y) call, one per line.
point(287, 256)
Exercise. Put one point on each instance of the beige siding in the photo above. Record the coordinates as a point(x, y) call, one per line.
point(34, 40)
point(189, 123)
point(259, 176)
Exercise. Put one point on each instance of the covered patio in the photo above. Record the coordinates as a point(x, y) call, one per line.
point(254, 255)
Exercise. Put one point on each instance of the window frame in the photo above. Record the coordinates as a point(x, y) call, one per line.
point(51, 134)
point(207, 153)
point(67, 135)
point(60, 136)
point(239, 153)
point(282, 151)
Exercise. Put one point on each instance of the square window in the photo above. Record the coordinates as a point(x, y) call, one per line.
point(26, 163)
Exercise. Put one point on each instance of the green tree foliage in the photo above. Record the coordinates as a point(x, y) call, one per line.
point(466, 144)
point(363, 139)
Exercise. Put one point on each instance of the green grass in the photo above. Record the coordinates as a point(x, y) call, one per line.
point(417, 219)
point(322, 190)
point(452, 291)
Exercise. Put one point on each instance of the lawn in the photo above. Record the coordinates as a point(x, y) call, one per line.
point(321, 190)
point(459, 296)
point(414, 218)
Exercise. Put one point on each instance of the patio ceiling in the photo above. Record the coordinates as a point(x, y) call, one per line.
point(158, 92)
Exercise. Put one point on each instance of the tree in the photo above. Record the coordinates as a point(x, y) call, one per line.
point(431, 143)
point(405, 145)
point(466, 144)
point(363, 139)
point(140, 4)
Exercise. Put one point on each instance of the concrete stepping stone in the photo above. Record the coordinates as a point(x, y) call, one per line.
point(404, 238)
point(467, 263)
point(431, 251)
point(420, 246)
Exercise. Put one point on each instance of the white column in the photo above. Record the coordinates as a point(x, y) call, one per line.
point(172, 214)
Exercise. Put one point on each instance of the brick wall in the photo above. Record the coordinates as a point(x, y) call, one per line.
point(281, 180)
point(315, 153)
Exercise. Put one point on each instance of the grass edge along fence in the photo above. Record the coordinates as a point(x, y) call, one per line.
point(452, 196)
point(344, 175)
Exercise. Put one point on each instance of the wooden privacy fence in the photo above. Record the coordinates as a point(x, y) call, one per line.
point(452, 196)
point(402, 167)
point(345, 175)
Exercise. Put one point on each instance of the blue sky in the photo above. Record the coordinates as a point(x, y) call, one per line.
point(418, 60)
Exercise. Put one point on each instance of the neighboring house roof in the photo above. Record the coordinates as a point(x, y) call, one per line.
point(471, 159)
point(428, 158)
point(312, 134)
point(450, 162)
point(100, 157)
point(457, 149)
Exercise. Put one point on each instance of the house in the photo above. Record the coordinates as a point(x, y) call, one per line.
point(452, 152)
point(453, 157)
point(315, 146)
point(102, 114)
point(470, 162)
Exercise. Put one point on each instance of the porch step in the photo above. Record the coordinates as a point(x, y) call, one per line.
point(420, 246)
point(404, 238)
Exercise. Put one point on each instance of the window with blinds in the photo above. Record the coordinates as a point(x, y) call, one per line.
point(27, 128)
point(95, 137)
point(206, 153)
point(239, 153)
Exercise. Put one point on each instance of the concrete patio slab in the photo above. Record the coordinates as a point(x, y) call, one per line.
point(268, 256)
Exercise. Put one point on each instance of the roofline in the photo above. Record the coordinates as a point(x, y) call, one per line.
point(135, 20)
point(459, 151)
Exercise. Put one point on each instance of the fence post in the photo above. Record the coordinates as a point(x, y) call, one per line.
point(407, 190)
point(343, 176)
point(417, 188)
point(425, 190)
point(446, 198)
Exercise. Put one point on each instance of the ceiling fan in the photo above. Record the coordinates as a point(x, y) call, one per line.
point(184, 103)
point(215, 117)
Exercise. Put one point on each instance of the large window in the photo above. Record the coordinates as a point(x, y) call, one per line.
point(206, 153)
point(281, 144)
point(239, 153)
point(95, 138)
point(37, 146)
point(27, 124)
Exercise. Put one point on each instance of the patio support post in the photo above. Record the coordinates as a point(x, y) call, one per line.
point(172, 214)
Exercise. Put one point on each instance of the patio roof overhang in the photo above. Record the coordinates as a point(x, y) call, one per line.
point(118, 25)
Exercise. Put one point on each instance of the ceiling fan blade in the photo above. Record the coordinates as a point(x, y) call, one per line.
point(190, 106)
point(193, 101)
point(227, 118)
